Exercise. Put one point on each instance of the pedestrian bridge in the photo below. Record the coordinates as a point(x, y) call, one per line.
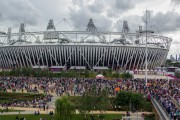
point(160, 110)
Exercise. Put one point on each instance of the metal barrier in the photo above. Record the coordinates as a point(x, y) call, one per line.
point(160, 109)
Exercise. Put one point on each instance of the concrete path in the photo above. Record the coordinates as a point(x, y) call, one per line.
point(15, 113)
point(52, 103)
point(150, 76)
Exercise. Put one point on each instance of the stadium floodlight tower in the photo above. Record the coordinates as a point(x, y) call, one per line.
point(22, 32)
point(93, 32)
point(50, 25)
point(90, 26)
point(51, 35)
point(125, 28)
point(9, 35)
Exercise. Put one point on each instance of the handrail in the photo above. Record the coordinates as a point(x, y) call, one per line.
point(160, 110)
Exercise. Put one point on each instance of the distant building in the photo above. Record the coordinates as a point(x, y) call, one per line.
point(176, 58)
point(172, 58)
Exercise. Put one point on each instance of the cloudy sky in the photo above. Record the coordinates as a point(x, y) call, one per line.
point(107, 15)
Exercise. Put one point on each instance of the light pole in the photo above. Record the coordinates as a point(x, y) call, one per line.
point(146, 49)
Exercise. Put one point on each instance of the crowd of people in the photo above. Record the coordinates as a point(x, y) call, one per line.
point(23, 85)
point(166, 92)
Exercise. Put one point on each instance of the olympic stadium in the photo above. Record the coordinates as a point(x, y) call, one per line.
point(89, 48)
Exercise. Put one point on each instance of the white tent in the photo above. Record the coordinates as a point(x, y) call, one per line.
point(99, 76)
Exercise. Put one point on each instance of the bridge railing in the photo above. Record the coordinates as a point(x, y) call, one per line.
point(160, 109)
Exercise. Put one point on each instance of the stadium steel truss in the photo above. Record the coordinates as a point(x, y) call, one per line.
point(82, 48)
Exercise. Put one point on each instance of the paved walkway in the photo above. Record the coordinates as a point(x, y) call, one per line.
point(150, 76)
point(52, 103)
point(27, 110)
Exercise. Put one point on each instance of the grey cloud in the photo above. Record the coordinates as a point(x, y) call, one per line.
point(176, 42)
point(111, 7)
point(53, 9)
point(175, 1)
point(112, 14)
point(95, 6)
point(98, 7)
point(119, 6)
point(163, 22)
point(123, 5)
point(16, 11)
point(79, 2)
point(102, 23)
point(166, 22)
point(95, 10)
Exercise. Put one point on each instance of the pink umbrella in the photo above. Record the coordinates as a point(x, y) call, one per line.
point(99, 76)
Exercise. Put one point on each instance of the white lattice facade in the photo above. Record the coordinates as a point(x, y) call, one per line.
point(126, 57)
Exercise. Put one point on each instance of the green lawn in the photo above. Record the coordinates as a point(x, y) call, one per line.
point(28, 117)
point(107, 117)
point(76, 117)
point(48, 117)
point(149, 117)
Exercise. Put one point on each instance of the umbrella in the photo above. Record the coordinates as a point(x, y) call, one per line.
point(99, 76)
point(117, 89)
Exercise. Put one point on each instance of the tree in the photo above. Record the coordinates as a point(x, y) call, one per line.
point(103, 102)
point(93, 98)
point(125, 75)
point(92, 74)
point(168, 63)
point(176, 64)
point(104, 73)
point(137, 100)
point(86, 74)
point(71, 73)
point(124, 99)
point(109, 73)
point(177, 74)
point(88, 101)
point(64, 109)
point(91, 101)
point(85, 104)
point(116, 75)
